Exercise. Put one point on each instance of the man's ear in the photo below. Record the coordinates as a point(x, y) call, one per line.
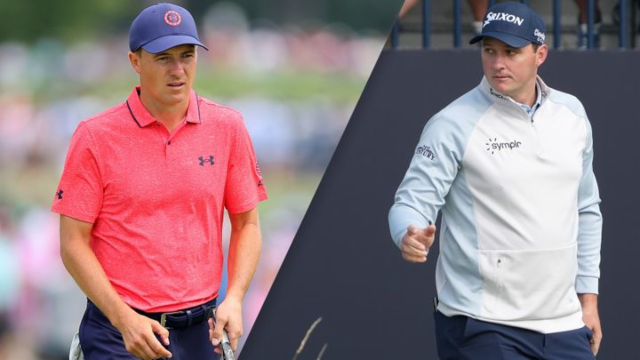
point(134, 58)
point(541, 54)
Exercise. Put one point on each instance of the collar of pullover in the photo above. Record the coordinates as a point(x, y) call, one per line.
point(509, 103)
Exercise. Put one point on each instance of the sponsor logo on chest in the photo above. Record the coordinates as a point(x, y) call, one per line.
point(206, 160)
point(494, 145)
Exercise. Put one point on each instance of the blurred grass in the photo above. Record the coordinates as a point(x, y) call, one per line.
point(285, 188)
point(281, 85)
point(28, 186)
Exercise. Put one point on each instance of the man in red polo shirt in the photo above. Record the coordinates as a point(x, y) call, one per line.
point(142, 199)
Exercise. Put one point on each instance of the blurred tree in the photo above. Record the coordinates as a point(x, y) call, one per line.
point(68, 20)
point(357, 14)
point(76, 20)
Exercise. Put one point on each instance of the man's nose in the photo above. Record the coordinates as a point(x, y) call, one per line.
point(177, 67)
point(497, 62)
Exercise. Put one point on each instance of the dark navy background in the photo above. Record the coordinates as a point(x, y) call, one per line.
point(343, 265)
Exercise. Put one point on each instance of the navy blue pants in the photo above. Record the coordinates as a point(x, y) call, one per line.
point(102, 341)
point(464, 338)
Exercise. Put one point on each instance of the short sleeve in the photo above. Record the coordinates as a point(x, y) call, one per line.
point(244, 187)
point(79, 194)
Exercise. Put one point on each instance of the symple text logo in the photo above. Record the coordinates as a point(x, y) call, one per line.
point(502, 17)
point(494, 145)
point(427, 152)
point(539, 34)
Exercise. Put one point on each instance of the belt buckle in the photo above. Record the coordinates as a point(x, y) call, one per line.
point(163, 318)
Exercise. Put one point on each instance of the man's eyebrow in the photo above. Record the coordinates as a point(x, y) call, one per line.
point(166, 53)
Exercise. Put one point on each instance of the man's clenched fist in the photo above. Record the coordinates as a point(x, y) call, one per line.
point(416, 243)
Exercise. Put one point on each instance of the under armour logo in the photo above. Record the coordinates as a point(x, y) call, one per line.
point(260, 183)
point(203, 160)
point(59, 193)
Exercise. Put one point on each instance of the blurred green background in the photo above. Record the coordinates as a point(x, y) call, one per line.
point(294, 69)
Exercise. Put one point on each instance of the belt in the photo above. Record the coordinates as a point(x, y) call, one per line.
point(182, 318)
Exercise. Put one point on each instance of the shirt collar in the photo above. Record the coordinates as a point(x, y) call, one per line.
point(143, 118)
point(542, 91)
point(532, 109)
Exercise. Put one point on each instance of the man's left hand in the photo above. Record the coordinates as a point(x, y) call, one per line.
point(591, 318)
point(228, 317)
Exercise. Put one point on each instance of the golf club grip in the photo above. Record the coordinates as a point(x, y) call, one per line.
point(227, 352)
point(225, 346)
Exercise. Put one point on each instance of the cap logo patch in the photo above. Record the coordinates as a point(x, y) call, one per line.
point(540, 35)
point(172, 18)
point(502, 17)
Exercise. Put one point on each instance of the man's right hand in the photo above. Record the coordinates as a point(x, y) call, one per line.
point(416, 243)
point(138, 332)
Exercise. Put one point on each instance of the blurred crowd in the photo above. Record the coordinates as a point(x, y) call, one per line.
point(48, 87)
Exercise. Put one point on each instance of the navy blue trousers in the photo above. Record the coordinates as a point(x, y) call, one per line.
point(464, 338)
point(102, 341)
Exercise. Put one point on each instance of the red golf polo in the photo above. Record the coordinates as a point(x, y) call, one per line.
point(156, 200)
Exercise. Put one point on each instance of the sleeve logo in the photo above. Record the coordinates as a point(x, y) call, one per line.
point(427, 152)
point(260, 181)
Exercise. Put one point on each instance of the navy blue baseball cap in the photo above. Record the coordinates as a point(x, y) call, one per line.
point(514, 24)
point(161, 27)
